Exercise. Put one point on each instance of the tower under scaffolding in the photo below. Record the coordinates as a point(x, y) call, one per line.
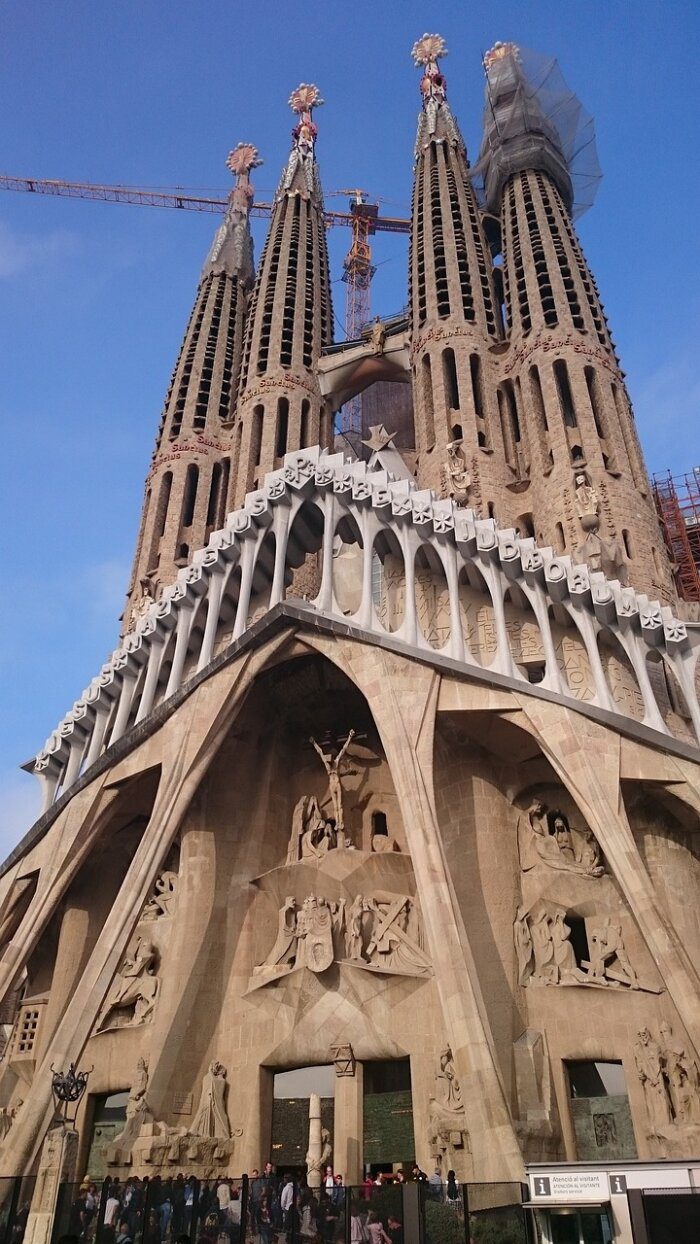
point(677, 500)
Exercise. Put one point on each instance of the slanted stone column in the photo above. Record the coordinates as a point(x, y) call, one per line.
point(57, 1165)
point(349, 1124)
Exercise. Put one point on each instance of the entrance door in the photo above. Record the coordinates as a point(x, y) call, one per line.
point(389, 1139)
point(290, 1115)
point(108, 1120)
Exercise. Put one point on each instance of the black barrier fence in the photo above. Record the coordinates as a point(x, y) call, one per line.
point(271, 1210)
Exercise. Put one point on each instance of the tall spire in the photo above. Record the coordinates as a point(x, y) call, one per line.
point(454, 310)
point(577, 478)
point(188, 483)
point(290, 320)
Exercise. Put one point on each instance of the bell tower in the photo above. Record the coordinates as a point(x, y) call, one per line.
point(455, 315)
point(571, 444)
point(189, 479)
point(290, 319)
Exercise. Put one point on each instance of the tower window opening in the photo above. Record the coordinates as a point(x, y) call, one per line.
point(566, 397)
point(379, 825)
point(214, 488)
point(525, 525)
point(457, 432)
point(223, 493)
point(438, 239)
point(540, 412)
point(477, 393)
point(183, 552)
point(282, 427)
point(256, 440)
point(627, 541)
point(491, 509)
point(190, 494)
point(559, 539)
point(163, 501)
point(305, 421)
point(449, 375)
point(428, 407)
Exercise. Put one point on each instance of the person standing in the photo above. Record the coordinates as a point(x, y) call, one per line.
point(376, 1232)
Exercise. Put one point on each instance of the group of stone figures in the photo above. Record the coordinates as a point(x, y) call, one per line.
point(547, 957)
point(670, 1079)
point(207, 1139)
point(546, 837)
point(379, 931)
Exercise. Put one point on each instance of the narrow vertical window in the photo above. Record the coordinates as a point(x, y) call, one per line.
point(223, 493)
point(305, 422)
point(427, 386)
point(190, 495)
point(214, 490)
point(256, 439)
point(449, 377)
point(566, 397)
point(282, 427)
point(559, 539)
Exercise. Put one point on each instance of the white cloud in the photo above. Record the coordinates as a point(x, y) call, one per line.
point(20, 252)
point(20, 804)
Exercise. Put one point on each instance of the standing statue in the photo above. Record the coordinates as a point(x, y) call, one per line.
point(451, 1090)
point(137, 1110)
point(332, 766)
point(649, 1061)
point(587, 505)
point(608, 958)
point(319, 1151)
point(353, 928)
point(682, 1077)
point(446, 1117)
point(377, 336)
point(135, 989)
point(211, 1118)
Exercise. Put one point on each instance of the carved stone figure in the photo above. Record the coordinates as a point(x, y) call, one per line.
point(649, 1061)
point(353, 928)
point(312, 835)
point(448, 1084)
point(456, 480)
point(377, 336)
point(587, 504)
point(283, 955)
point(211, 1118)
point(682, 1077)
point(8, 1114)
point(315, 935)
point(523, 946)
point(161, 900)
point(604, 556)
point(609, 959)
point(447, 1122)
point(132, 998)
point(545, 836)
point(564, 957)
point(545, 970)
point(332, 766)
point(395, 941)
point(137, 1113)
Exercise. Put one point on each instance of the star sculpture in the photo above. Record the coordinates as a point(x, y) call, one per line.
point(379, 438)
point(242, 159)
point(304, 98)
point(428, 49)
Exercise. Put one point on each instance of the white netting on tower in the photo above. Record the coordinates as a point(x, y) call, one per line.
point(532, 118)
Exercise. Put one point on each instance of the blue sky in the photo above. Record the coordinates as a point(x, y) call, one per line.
point(95, 297)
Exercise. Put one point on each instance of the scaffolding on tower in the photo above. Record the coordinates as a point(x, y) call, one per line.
point(677, 500)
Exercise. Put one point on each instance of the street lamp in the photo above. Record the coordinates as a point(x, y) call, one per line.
point(68, 1087)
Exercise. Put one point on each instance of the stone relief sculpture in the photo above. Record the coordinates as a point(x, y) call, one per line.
point(132, 998)
point(162, 899)
point(332, 765)
point(446, 1119)
point(8, 1114)
point(380, 932)
point(545, 837)
point(546, 956)
point(456, 480)
point(670, 1079)
point(211, 1118)
point(312, 835)
point(377, 337)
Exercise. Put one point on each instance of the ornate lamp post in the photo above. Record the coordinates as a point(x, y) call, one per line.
point(68, 1087)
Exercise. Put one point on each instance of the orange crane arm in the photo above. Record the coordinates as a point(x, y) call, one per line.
point(142, 197)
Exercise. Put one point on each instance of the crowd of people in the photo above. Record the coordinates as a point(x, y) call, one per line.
point(278, 1209)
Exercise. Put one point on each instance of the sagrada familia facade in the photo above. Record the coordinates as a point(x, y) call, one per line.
point(395, 771)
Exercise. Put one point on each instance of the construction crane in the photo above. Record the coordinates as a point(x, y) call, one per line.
point(362, 218)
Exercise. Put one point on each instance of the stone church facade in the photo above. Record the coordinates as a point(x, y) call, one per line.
point(395, 770)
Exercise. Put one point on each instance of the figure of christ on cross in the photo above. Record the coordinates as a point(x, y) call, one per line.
point(332, 766)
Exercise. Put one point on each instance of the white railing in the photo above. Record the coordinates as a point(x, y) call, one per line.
point(248, 566)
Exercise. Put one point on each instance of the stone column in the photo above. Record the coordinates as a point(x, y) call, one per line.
point(349, 1126)
point(313, 1156)
point(57, 1165)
